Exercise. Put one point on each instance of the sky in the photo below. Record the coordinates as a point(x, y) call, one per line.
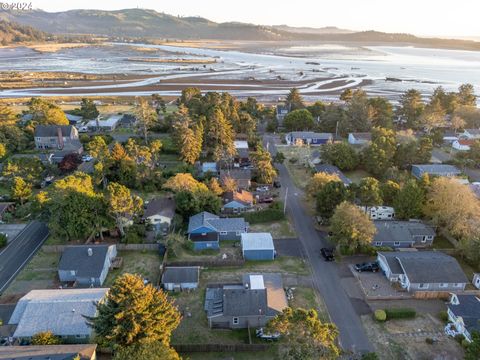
point(454, 18)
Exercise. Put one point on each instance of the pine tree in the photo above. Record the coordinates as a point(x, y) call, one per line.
point(135, 313)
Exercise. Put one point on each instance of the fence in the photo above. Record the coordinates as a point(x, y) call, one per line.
point(426, 295)
point(189, 348)
point(120, 247)
point(207, 263)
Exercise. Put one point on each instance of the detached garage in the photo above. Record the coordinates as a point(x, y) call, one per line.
point(180, 278)
point(258, 246)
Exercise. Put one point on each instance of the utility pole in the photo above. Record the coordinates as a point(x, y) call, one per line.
point(285, 202)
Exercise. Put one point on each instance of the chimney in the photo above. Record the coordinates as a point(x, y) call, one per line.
point(246, 285)
point(60, 138)
point(90, 251)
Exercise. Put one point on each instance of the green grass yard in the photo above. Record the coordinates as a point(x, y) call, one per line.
point(143, 263)
point(278, 229)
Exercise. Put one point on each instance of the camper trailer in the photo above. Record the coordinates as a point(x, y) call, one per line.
point(379, 212)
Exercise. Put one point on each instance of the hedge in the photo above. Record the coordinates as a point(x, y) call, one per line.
point(263, 216)
point(400, 313)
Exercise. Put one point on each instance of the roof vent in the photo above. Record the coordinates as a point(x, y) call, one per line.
point(73, 310)
point(90, 251)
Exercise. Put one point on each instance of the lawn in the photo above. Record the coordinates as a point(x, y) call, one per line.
point(39, 273)
point(278, 229)
point(441, 242)
point(143, 263)
point(261, 355)
point(356, 175)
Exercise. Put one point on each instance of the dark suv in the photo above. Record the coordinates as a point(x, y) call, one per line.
point(327, 254)
point(371, 266)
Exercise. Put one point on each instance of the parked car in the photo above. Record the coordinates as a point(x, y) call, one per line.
point(87, 158)
point(271, 337)
point(368, 266)
point(265, 200)
point(277, 184)
point(263, 189)
point(328, 254)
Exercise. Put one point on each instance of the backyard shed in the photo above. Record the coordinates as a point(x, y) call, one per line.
point(258, 246)
point(180, 278)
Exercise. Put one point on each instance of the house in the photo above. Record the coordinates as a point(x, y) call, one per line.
point(205, 230)
point(128, 121)
point(61, 311)
point(476, 280)
point(462, 145)
point(242, 177)
point(435, 170)
point(159, 212)
point(74, 119)
point(403, 234)
point(251, 304)
point(379, 212)
point(258, 246)
point(471, 134)
point(281, 111)
point(108, 124)
point(86, 265)
point(54, 136)
point(235, 202)
point(6, 207)
point(333, 170)
point(464, 314)
point(49, 352)
point(180, 278)
point(423, 270)
point(308, 138)
point(242, 157)
point(359, 138)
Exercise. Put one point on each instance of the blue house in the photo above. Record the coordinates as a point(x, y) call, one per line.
point(206, 230)
point(435, 170)
point(308, 138)
point(258, 246)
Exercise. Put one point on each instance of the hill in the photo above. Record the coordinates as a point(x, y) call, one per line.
point(11, 33)
point(149, 24)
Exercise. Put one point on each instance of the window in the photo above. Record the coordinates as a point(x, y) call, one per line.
point(204, 234)
point(236, 321)
point(396, 243)
point(378, 243)
point(424, 239)
point(238, 233)
point(72, 272)
point(223, 233)
point(443, 285)
point(423, 286)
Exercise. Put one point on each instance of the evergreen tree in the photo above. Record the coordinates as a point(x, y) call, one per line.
point(147, 351)
point(331, 195)
point(411, 108)
point(88, 109)
point(134, 313)
point(294, 100)
point(466, 95)
point(220, 136)
point(409, 201)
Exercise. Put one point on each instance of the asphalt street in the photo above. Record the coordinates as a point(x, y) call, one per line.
point(20, 250)
point(326, 274)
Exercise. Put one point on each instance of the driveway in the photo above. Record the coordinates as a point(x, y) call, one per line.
point(20, 250)
point(289, 247)
point(325, 274)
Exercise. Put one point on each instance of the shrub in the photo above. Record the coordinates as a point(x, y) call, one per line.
point(400, 313)
point(380, 315)
point(429, 341)
point(263, 216)
point(3, 240)
point(443, 315)
point(370, 356)
point(465, 343)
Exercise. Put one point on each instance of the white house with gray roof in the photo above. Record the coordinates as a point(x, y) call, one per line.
point(471, 134)
point(308, 138)
point(86, 265)
point(423, 270)
point(435, 170)
point(205, 230)
point(403, 234)
point(464, 314)
point(252, 303)
point(61, 311)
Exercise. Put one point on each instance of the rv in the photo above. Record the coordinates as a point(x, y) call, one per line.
point(379, 212)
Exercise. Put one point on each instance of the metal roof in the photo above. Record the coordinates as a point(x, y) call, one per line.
point(181, 274)
point(257, 241)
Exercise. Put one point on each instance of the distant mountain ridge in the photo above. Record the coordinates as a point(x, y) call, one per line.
point(150, 24)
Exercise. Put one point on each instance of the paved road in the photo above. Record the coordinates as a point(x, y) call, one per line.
point(19, 252)
point(325, 274)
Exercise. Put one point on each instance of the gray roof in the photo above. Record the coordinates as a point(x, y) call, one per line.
point(469, 309)
point(74, 118)
point(401, 231)
point(48, 352)
point(76, 258)
point(59, 311)
point(236, 174)
point(437, 169)
point(426, 266)
point(309, 135)
point(362, 135)
point(473, 131)
point(257, 241)
point(181, 274)
point(216, 223)
point(331, 169)
point(242, 300)
point(52, 130)
point(160, 206)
